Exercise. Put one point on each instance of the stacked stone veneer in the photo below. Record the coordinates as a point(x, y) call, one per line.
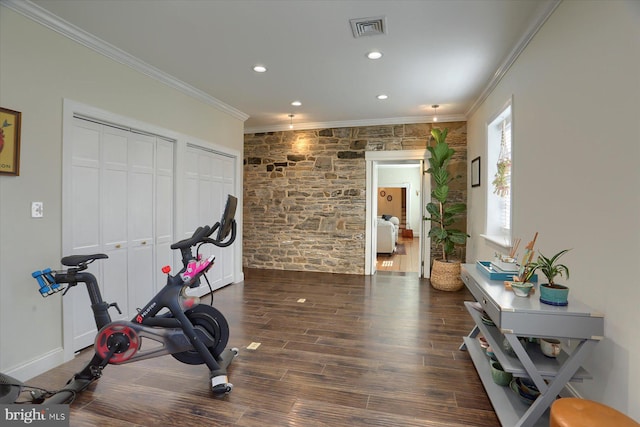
point(304, 193)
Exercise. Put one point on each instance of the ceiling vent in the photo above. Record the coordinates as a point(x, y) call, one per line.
point(368, 26)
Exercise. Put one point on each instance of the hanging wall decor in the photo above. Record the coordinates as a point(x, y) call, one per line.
point(9, 141)
point(501, 181)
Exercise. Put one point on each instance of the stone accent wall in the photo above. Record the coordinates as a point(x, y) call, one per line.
point(304, 193)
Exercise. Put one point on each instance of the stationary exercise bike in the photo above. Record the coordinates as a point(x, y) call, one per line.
point(191, 332)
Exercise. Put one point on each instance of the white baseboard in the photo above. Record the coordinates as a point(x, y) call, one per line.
point(37, 366)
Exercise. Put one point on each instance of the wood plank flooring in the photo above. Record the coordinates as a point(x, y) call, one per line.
point(407, 263)
point(360, 351)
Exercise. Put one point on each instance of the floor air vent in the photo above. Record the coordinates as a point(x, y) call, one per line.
point(368, 26)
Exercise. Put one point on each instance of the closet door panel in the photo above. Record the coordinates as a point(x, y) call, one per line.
point(85, 147)
point(214, 212)
point(228, 180)
point(114, 209)
point(191, 192)
point(164, 209)
point(140, 192)
point(85, 196)
point(85, 240)
point(114, 203)
point(140, 277)
point(114, 184)
point(85, 210)
point(115, 286)
point(121, 189)
point(141, 204)
point(208, 187)
point(85, 220)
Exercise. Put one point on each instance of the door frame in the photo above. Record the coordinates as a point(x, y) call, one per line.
point(373, 159)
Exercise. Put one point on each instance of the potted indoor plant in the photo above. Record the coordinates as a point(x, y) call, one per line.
point(445, 273)
point(522, 285)
point(552, 293)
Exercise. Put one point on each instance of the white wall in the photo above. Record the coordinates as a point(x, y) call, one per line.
point(38, 69)
point(576, 148)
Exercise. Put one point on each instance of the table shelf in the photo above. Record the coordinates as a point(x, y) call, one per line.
point(508, 407)
point(548, 367)
point(518, 317)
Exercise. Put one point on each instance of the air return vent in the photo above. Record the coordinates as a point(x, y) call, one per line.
point(368, 26)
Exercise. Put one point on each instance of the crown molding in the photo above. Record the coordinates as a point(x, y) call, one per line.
point(356, 123)
point(49, 20)
point(514, 54)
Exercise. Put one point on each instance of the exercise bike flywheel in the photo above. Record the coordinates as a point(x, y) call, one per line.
point(117, 342)
point(209, 320)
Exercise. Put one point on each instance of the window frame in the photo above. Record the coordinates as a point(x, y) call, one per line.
point(495, 230)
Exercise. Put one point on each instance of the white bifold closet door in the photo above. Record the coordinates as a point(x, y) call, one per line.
point(209, 179)
point(121, 204)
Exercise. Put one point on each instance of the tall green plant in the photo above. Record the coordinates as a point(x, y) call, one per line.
point(443, 214)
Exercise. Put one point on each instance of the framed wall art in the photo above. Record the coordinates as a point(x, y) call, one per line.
point(475, 172)
point(9, 142)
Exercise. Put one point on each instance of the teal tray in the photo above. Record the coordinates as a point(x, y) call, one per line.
point(493, 274)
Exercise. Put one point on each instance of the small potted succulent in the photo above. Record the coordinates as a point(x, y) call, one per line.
point(552, 293)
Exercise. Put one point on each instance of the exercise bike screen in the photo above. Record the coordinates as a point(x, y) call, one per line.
point(227, 218)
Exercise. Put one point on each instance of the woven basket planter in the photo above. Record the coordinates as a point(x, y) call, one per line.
point(445, 276)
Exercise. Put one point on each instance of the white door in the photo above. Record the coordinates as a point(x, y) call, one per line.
point(163, 209)
point(209, 177)
point(122, 205)
point(140, 224)
point(113, 219)
point(374, 218)
point(425, 241)
point(83, 213)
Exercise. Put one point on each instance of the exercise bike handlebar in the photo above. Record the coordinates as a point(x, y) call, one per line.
point(196, 237)
point(201, 235)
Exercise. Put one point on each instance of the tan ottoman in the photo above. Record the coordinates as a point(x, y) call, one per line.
point(572, 412)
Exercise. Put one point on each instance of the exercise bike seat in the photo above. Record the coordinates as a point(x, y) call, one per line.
point(77, 260)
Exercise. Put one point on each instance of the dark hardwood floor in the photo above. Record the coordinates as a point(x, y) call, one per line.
point(360, 351)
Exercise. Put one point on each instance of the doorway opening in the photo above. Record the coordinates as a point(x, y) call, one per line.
point(396, 188)
point(398, 210)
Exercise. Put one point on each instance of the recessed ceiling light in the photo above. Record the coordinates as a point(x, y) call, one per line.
point(296, 103)
point(382, 96)
point(374, 55)
point(259, 68)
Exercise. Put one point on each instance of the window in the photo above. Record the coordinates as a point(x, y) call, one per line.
point(499, 167)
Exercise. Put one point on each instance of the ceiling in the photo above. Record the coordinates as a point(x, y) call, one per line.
point(446, 52)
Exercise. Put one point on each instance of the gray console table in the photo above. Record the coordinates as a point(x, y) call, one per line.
point(527, 317)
